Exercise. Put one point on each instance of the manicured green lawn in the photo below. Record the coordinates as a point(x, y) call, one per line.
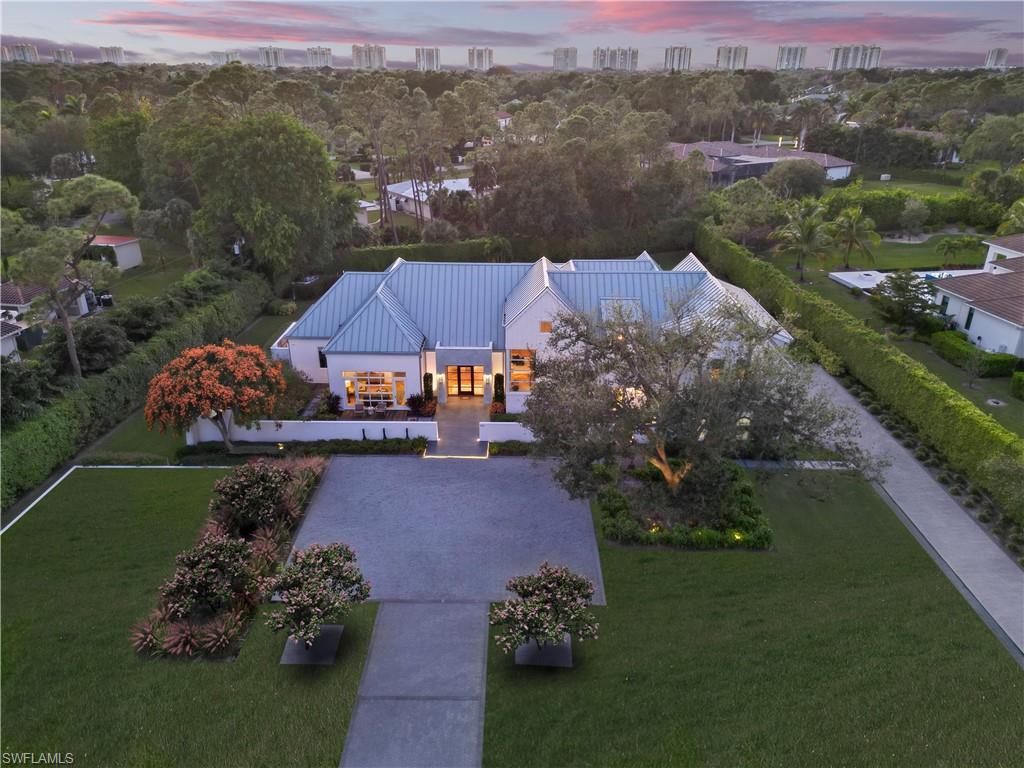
point(843, 646)
point(79, 570)
point(924, 255)
point(132, 435)
point(1010, 415)
point(153, 276)
point(917, 187)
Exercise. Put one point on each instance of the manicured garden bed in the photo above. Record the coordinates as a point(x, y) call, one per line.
point(845, 645)
point(79, 569)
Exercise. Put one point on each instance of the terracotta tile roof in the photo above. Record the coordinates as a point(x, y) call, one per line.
point(999, 295)
point(111, 240)
point(1010, 242)
point(11, 293)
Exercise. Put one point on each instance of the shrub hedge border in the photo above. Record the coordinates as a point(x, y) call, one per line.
point(35, 448)
point(972, 441)
point(954, 347)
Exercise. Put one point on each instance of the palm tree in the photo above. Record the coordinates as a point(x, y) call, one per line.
point(853, 231)
point(804, 235)
point(762, 115)
point(804, 115)
point(73, 105)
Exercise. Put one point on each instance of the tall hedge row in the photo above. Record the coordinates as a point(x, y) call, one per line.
point(970, 440)
point(954, 347)
point(886, 205)
point(670, 235)
point(35, 448)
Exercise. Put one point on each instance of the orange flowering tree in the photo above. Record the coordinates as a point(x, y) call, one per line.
point(207, 382)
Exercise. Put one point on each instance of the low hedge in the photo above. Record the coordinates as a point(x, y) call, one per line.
point(35, 448)
point(954, 347)
point(215, 453)
point(1017, 384)
point(509, 448)
point(970, 440)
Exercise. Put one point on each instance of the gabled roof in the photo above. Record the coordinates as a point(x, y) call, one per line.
point(423, 191)
point(11, 293)
point(381, 325)
point(9, 329)
point(998, 294)
point(642, 263)
point(112, 241)
point(586, 291)
point(527, 289)
point(1013, 243)
point(329, 313)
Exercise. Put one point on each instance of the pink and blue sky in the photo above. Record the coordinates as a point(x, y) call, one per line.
point(522, 34)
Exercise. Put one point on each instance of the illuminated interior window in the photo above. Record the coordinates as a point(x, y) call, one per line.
point(520, 370)
point(373, 388)
point(545, 326)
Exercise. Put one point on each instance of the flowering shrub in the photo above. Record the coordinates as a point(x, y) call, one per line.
point(251, 496)
point(214, 575)
point(321, 585)
point(550, 604)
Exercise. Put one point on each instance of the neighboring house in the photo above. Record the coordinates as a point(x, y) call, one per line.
point(989, 306)
point(15, 303)
point(504, 119)
point(363, 210)
point(402, 199)
point(1000, 248)
point(729, 162)
point(9, 333)
point(373, 335)
point(127, 250)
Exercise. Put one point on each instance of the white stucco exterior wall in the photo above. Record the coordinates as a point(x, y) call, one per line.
point(306, 359)
point(989, 332)
point(524, 333)
point(838, 172)
point(128, 255)
point(338, 364)
point(999, 253)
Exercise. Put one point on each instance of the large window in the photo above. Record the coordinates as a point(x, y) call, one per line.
point(520, 370)
point(465, 380)
point(970, 319)
point(375, 387)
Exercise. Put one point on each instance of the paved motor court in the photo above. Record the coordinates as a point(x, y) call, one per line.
point(450, 529)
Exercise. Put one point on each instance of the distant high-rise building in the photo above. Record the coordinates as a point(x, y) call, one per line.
point(270, 56)
point(996, 58)
point(112, 54)
point(791, 57)
point(318, 56)
point(677, 58)
point(63, 55)
point(854, 57)
point(5, 53)
point(481, 58)
point(369, 56)
point(731, 57)
point(564, 59)
point(220, 58)
point(428, 59)
point(619, 59)
point(24, 52)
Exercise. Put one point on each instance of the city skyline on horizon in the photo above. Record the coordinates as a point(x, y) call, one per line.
point(911, 34)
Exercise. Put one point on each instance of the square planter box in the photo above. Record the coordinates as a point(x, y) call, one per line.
point(559, 655)
point(321, 653)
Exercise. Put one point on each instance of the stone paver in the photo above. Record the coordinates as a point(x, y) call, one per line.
point(421, 698)
point(984, 569)
point(458, 428)
point(457, 529)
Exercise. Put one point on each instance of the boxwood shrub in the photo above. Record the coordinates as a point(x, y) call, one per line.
point(970, 440)
point(954, 347)
point(35, 448)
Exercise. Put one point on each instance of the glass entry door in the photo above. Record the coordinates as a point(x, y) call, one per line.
point(465, 380)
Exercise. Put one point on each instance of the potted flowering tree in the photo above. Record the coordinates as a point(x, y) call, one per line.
point(550, 609)
point(320, 585)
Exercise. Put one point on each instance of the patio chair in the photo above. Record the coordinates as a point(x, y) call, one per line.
point(359, 409)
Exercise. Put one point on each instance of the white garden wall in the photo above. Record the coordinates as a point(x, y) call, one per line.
point(204, 431)
point(500, 431)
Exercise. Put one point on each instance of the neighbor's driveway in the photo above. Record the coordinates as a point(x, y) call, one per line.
point(452, 529)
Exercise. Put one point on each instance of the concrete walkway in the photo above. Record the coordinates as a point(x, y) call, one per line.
point(421, 698)
point(991, 581)
point(458, 428)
